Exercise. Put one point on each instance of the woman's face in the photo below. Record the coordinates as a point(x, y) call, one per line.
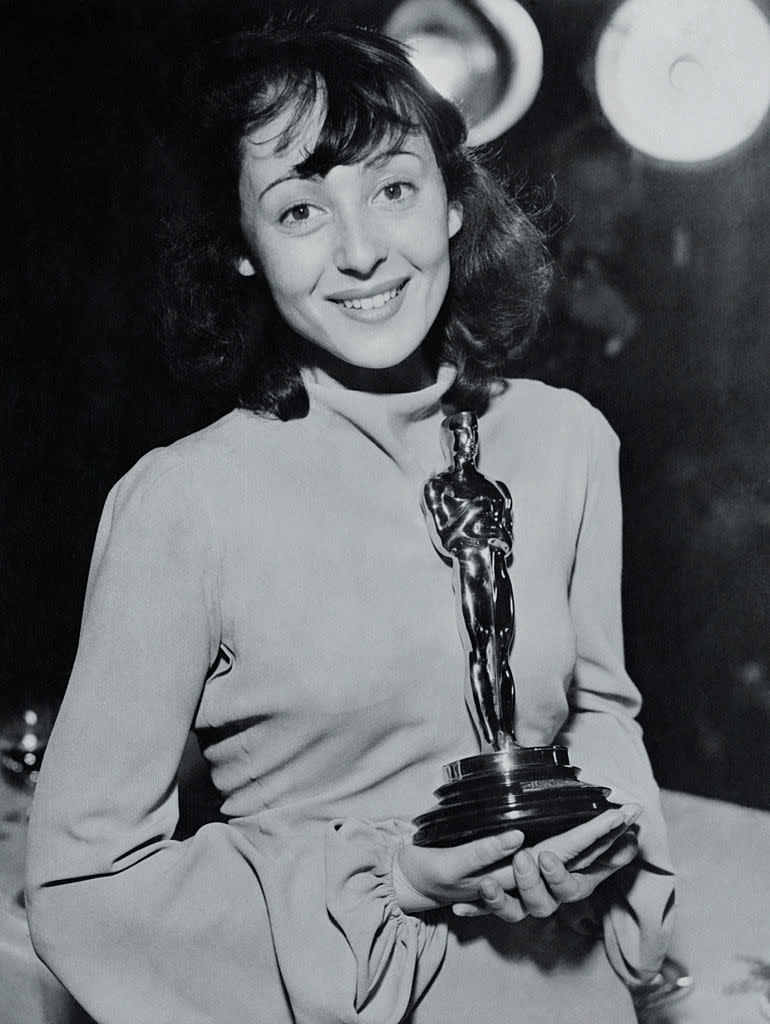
point(357, 261)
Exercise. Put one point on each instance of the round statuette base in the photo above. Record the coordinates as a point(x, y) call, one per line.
point(534, 789)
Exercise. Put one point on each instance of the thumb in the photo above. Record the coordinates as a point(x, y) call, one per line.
point(480, 854)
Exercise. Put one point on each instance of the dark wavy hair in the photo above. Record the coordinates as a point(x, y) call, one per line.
point(222, 331)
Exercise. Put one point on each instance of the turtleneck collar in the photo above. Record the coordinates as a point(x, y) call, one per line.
point(389, 419)
point(399, 406)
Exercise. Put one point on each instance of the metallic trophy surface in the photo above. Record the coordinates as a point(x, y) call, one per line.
point(535, 789)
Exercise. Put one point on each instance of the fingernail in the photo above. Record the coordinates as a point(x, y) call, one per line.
point(460, 911)
point(631, 812)
point(511, 840)
point(523, 862)
point(488, 890)
point(549, 862)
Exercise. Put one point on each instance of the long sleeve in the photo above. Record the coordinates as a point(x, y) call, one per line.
point(143, 929)
point(603, 737)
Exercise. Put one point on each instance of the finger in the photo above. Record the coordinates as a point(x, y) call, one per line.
point(480, 854)
point(576, 841)
point(563, 885)
point(531, 889)
point(572, 886)
point(622, 851)
point(471, 910)
point(489, 892)
point(596, 850)
point(500, 903)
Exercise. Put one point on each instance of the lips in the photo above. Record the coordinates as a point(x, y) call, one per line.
point(384, 294)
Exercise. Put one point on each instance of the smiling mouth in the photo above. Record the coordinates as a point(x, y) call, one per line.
point(372, 301)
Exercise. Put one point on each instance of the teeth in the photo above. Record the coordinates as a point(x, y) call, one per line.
point(372, 301)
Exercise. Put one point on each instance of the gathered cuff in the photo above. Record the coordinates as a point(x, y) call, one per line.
point(397, 954)
point(639, 921)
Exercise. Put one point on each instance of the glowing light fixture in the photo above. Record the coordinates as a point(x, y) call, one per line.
point(486, 55)
point(684, 80)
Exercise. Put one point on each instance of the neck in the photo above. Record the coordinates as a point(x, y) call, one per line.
point(413, 374)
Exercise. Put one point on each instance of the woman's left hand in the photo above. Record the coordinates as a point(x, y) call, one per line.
point(556, 871)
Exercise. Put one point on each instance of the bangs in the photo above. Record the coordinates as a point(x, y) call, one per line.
point(367, 109)
point(359, 123)
point(356, 124)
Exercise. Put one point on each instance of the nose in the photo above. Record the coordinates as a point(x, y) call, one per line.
point(361, 247)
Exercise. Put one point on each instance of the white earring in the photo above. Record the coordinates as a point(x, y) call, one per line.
point(245, 267)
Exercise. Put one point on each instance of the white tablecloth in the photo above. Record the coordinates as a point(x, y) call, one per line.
point(722, 855)
point(29, 993)
point(722, 852)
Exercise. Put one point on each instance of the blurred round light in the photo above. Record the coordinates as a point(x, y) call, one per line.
point(486, 55)
point(684, 80)
point(29, 741)
point(442, 61)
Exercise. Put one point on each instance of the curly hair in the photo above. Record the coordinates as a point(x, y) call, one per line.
point(222, 331)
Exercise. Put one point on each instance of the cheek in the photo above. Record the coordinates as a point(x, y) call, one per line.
point(431, 255)
point(428, 242)
point(290, 272)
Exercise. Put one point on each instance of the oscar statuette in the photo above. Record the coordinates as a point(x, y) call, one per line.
point(534, 789)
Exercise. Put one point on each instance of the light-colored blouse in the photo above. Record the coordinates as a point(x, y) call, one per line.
point(274, 586)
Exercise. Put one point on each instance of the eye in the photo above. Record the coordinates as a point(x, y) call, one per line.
point(398, 192)
point(299, 216)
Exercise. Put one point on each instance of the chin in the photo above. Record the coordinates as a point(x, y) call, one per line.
point(383, 363)
point(385, 357)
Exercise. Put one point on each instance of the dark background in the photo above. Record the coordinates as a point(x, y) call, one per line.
point(682, 253)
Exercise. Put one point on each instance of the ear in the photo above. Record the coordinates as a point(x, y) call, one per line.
point(245, 267)
point(454, 218)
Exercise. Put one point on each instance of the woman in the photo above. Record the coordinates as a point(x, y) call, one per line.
point(271, 582)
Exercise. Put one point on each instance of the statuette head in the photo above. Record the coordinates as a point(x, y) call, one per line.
point(460, 436)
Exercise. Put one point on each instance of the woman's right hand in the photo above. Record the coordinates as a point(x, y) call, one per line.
point(428, 877)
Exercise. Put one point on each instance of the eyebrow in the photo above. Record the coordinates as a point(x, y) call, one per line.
point(279, 181)
point(389, 154)
point(380, 158)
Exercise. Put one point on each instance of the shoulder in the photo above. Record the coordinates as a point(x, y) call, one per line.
point(190, 471)
point(554, 415)
point(544, 401)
